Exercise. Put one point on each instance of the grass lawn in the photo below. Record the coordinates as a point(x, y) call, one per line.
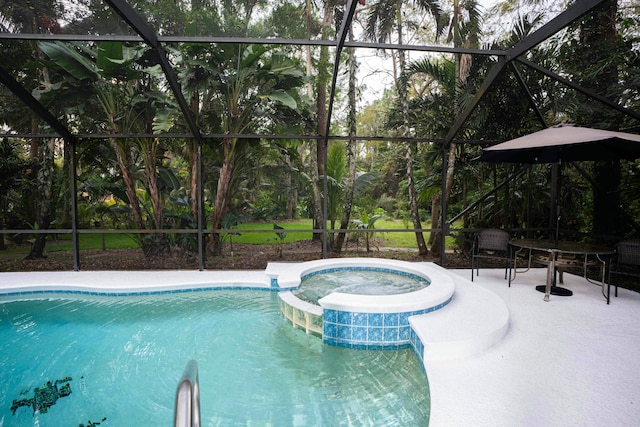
point(396, 240)
point(62, 243)
point(393, 240)
point(96, 241)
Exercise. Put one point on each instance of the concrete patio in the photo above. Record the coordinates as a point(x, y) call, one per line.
point(572, 361)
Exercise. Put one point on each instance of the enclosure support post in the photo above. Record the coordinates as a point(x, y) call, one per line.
point(443, 201)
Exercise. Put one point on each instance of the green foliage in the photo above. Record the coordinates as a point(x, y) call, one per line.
point(281, 236)
point(367, 221)
point(16, 188)
point(229, 222)
point(268, 206)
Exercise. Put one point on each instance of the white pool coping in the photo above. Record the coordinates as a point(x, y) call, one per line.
point(571, 361)
point(125, 282)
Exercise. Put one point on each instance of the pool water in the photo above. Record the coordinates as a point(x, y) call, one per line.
point(123, 356)
point(360, 281)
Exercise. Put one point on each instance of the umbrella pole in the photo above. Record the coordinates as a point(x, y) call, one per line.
point(556, 178)
point(554, 204)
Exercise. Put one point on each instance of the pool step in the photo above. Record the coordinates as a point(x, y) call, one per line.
point(473, 321)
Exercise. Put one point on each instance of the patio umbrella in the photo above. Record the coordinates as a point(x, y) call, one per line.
point(565, 143)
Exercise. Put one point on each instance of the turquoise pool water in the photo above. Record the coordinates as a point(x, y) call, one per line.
point(123, 356)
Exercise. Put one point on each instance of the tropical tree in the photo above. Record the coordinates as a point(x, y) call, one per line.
point(464, 32)
point(386, 19)
point(37, 17)
point(250, 80)
point(350, 149)
point(432, 110)
point(323, 76)
point(339, 181)
point(125, 95)
point(599, 53)
point(13, 166)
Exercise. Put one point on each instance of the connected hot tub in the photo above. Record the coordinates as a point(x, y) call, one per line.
point(362, 318)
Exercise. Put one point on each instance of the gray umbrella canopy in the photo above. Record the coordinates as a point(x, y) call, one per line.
point(566, 143)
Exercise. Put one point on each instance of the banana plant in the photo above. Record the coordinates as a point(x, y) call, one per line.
point(252, 82)
point(124, 98)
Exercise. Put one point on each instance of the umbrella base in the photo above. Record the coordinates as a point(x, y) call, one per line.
point(555, 290)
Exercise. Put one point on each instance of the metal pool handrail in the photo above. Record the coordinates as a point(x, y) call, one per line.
point(187, 405)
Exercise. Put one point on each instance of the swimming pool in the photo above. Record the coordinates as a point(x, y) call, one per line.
point(123, 357)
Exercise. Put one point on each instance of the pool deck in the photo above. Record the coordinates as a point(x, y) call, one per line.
point(572, 361)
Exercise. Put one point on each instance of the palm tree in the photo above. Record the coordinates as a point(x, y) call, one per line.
point(385, 19)
point(351, 158)
point(435, 106)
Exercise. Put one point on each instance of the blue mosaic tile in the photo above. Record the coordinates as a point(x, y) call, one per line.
point(391, 319)
point(390, 334)
point(375, 319)
point(404, 318)
point(418, 351)
point(344, 344)
point(141, 293)
point(329, 330)
point(359, 333)
point(344, 332)
point(345, 317)
point(360, 319)
point(404, 332)
point(375, 347)
point(375, 335)
point(330, 316)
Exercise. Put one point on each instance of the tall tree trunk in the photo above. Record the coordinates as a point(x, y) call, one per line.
point(44, 154)
point(45, 196)
point(462, 67)
point(289, 191)
point(351, 158)
point(151, 176)
point(193, 173)
point(192, 154)
point(65, 220)
point(402, 93)
point(223, 194)
point(318, 160)
point(124, 161)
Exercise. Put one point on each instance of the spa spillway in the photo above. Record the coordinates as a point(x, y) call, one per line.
point(364, 320)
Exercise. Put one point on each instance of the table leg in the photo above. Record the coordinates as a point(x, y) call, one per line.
point(551, 272)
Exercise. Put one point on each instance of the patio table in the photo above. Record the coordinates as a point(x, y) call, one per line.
point(559, 254)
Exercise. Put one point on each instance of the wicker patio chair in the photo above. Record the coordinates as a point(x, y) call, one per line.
point(491, 243)
point(626, 263)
